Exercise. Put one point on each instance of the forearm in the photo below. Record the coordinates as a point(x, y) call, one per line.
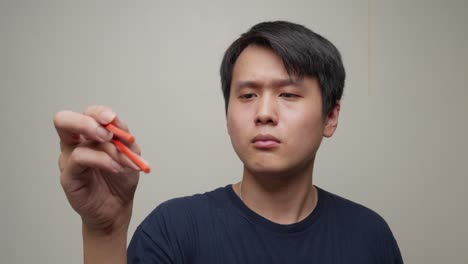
point(104, 248)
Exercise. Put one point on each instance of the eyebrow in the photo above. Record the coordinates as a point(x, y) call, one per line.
point(276, 83)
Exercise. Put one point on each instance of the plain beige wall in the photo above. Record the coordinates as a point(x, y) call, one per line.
point(400, 147)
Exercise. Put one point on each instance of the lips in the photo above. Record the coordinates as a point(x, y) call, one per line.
point(265, 141)
point(265, 137)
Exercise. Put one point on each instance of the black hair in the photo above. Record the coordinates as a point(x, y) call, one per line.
point(302, 51)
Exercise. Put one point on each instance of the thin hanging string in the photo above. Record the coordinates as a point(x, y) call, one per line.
point(240, 191)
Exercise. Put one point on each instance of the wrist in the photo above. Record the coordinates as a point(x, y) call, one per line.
point(104, 233)
point(106, 242)
point(109, 228)
point(103, 246)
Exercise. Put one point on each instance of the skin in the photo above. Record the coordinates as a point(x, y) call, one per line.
point(276, 183)
point(100, 183)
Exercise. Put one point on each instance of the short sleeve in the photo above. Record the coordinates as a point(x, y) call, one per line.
point(389, 250)
point(150, 243)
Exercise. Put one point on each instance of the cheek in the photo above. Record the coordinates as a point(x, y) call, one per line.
point(237, 133)
point(234, 126)
point(307, 130)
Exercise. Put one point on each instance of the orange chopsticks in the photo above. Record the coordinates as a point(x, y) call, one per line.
point(120, 133)
point(131, 155)
point(127, 137)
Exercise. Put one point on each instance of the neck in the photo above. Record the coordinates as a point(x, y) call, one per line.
point(283, 199)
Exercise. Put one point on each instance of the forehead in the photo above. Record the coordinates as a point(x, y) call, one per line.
point(259, 66)
point(259, 63)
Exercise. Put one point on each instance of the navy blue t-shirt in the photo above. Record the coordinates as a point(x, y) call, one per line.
point(217, 227)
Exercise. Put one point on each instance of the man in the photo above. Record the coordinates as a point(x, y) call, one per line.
point(282, 85)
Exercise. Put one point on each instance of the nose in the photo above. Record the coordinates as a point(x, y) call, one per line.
point(267, 111)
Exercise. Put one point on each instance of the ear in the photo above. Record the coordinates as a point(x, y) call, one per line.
point(227, 124)
point(331, 120)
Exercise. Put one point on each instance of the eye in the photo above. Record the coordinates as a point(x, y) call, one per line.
point(247, 96)
point(289, 95)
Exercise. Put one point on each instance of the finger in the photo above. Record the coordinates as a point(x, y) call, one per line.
point(115, 154)
point(102, 114)
point(83, 158)
point(120, 133)
point(105, 115)
point(132, 146)
point(120, 124)
point(68, 138)
point(70, 125)
point(140, 162)
point(135, 148)
point(128, 163)
point(61, 162)
point(123, 125)
point(106, 147)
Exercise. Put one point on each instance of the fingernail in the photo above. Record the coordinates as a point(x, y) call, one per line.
point(106, 117)
point(131, 164)
point(116, 166)
point(103, 133)
point(135, 167)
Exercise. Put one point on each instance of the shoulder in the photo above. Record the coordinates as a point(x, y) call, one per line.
point(174, 225)
point(168, 233)
point(186, 210)
point(200, 201)
point(366, 228)
point(354, 216)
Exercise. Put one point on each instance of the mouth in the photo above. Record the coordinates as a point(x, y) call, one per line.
point(265, 141)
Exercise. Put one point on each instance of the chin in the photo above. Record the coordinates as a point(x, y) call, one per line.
point(276, 167)
point(267, 169)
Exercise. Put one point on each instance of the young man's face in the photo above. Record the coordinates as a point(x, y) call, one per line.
point(275, 125)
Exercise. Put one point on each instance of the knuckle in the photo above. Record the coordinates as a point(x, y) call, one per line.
point(64, 182)
point(62, 147)
point(96, 109)
point(107, 147)
point(90, 109)
point(76, 155)
point(61, 162)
